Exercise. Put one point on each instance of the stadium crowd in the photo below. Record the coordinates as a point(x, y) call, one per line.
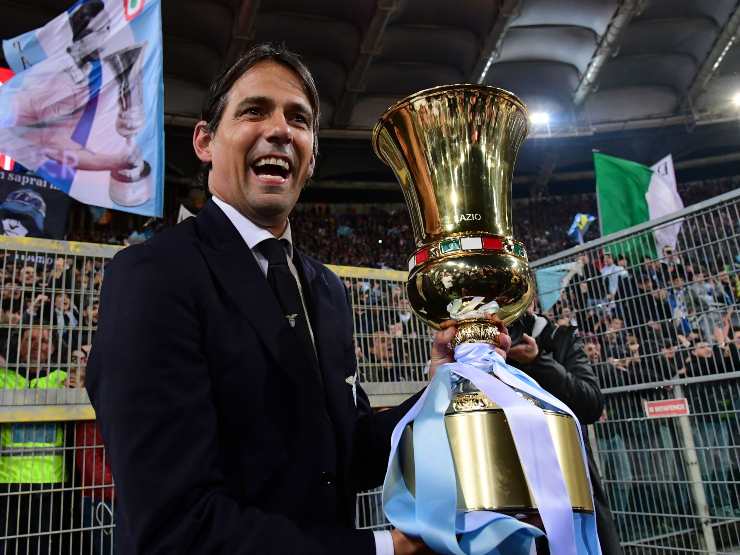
point(380, 236)
point(645, 322)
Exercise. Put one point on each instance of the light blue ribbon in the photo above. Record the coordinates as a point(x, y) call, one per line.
point(433, 514)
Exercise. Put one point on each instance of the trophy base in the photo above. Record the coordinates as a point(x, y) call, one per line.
point(488, 470)
point(131, 187)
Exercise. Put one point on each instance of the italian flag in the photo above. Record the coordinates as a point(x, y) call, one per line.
point(629, 194)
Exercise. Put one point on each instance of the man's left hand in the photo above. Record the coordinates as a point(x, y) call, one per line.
point(443, 354)
point(526, 351)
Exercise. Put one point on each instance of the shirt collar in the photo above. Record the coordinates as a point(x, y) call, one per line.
point(249, 231)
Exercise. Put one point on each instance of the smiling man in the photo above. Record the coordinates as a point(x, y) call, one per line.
point(223, 369)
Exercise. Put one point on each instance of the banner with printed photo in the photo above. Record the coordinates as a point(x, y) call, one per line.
point(31, 207)
point(85, 107)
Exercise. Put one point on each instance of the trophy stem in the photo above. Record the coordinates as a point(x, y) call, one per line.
point(475, 331)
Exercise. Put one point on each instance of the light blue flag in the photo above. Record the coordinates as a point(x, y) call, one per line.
point(579, 227)
point(85, 109)
point(550, 283)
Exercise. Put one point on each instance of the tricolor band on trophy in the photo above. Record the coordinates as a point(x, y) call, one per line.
point(485, 453)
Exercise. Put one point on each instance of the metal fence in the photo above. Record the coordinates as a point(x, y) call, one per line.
point(661, 325)
point(56, 489)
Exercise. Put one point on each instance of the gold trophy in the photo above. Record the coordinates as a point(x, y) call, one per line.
point(453, 150)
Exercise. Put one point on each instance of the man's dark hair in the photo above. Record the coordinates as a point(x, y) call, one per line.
point(218, 92)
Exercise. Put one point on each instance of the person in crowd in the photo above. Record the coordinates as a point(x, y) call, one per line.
point(223, 371)
point(93, 471)
point(612, 273)
point(554, 356)
point(711, 404)
point(12, 304)
point(704, 306)
point(380, 358)
point(66, 316)
point(32, 455)
point(90, 317)
point(615, 342)
point(28, 277)
point(639, 309)
point(60, 276)
point(670, 263)
point(678, 300)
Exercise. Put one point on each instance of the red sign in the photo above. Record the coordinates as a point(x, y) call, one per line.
point(667, 407)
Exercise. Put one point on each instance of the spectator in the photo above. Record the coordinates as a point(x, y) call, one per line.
point(711, 408)
point(555, 357)
point(612, 273)
point(32, 483)
point(93, 470)
point(60, 277)
point(66, 317)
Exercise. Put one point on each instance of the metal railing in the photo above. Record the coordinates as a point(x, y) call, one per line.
point(662, 330)
point(672, 481)
point(56, 489)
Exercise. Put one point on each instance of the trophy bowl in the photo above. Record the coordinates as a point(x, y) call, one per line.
point(453, 150)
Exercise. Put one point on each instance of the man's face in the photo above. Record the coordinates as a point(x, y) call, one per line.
point(92, 313)
point(61, 302)
point(36, 345)
point(262, 151)
point(736, 339)
point(27, 275)
point(382, 346)
point(77, 372)
point(593, 351)
point(703, 349)
point(608, 260)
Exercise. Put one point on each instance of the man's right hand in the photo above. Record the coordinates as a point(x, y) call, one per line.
point(405, 545)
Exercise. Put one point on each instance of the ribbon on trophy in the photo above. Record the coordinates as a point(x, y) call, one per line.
point(432, 513)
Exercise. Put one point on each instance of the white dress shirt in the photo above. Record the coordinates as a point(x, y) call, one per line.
point(253, 235)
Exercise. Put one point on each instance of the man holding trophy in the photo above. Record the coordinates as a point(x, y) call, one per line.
point(223, 371)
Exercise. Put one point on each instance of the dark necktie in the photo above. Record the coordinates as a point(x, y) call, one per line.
point(285, 288)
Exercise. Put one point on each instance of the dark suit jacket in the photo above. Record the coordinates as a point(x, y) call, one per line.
point(224, 436)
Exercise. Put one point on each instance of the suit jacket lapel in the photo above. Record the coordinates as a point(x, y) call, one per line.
point(236, 270)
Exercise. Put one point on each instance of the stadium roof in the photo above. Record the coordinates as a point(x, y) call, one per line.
point(636, 78)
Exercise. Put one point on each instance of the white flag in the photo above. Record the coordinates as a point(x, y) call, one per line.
point(662, 198)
